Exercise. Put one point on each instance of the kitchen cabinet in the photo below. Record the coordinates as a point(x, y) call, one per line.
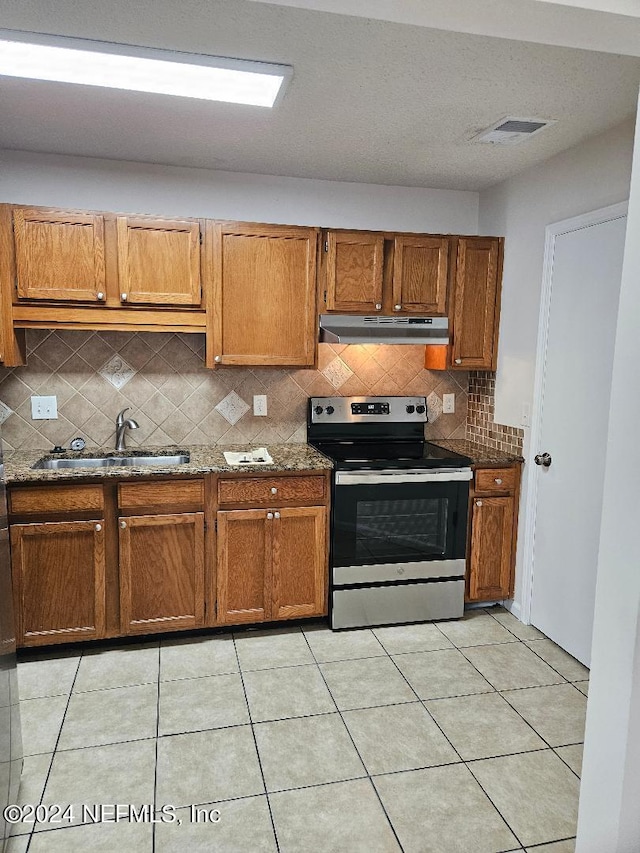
point(493, 533)
point(369, 272)
point(245, 540)
point(264, 294)
point(161, 572)
point(59, 581)
point(475, 305)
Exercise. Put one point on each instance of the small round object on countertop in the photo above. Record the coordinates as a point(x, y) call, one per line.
point(78, 443)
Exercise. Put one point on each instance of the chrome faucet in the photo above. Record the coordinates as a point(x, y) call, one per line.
point(121, 426)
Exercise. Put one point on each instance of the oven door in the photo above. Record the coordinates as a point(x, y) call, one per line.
point(399, 525)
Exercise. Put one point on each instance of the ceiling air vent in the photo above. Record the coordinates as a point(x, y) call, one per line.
point(511, 131)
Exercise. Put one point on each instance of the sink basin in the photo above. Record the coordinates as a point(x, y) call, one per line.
point(112, 461)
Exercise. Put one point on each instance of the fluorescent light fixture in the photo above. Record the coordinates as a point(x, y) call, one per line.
point(162, 72)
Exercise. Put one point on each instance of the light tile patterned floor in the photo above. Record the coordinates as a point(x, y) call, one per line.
point(438, 738)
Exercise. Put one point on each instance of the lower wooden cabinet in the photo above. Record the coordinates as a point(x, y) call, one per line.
point(493, 534)
point(161, 572)
point(272, 564)
point(59, 581)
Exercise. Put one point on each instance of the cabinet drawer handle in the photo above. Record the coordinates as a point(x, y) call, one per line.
point(98, 527)
point(498, 480)
point(100, 296)
point(123, 524)
point(123, 296)
point(458, 361)
point(277, 515)
point(478, 503)
point(274, 491)
point(269, 515)
point(378, 306)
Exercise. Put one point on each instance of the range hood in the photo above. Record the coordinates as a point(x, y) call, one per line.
point(350, 329)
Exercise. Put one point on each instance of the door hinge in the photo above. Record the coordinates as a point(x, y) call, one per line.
point(326, 245)
point(325, 297)
point(215, 525)
point(201, 240)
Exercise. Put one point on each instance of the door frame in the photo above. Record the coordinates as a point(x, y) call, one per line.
point(552, 232)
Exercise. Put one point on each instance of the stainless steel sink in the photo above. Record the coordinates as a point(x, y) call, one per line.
point(113, 461)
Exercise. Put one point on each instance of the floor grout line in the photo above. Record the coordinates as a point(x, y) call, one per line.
point(155, 763)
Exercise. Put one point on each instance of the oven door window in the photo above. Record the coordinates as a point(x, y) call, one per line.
point(403, 523)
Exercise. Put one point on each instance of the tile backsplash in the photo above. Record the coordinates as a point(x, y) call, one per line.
point(481, 426)
point(176, 400)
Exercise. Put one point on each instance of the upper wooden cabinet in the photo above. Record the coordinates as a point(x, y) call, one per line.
point(354, 271)
point(264, 286)
point(369, 272)
point(59, 255)
point(159, 261)
point(475, 312)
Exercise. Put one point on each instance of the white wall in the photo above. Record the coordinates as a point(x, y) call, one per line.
point(584, 178)
point(82, 182)
point(609, 818)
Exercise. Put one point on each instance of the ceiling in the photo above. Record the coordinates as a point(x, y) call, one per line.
point(370, 101)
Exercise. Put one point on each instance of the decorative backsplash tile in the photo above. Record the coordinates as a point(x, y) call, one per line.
point(481, 426)
point(232, 408)
point(176, 400)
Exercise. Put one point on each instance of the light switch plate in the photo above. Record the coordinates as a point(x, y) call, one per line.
point(448, 404)
point(44, 408)
point(260, 405)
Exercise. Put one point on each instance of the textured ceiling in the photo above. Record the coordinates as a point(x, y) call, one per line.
point(370, 101)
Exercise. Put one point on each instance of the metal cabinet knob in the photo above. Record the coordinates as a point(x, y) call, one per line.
point(218, 358)
point(378, 306)
point(123, 296)
point(397, 307)
point(277, 515)
point(269, 515)
point(478, 503)
point(100, 296)
point(543, 459)
point(458, 361)
point(123, 524)
point(98, 527)
point(274, 491)
point(498, 480)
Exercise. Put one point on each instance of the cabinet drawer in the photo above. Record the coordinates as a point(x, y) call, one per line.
point(271, 491)
point(496, 480)
point(175, 493)
point(45, 499)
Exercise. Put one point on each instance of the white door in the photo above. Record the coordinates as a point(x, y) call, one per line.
point(582, 303)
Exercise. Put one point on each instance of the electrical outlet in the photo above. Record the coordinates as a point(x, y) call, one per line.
point(448, 404)
point(44, 408)
point(526, 415)
point(260, 405)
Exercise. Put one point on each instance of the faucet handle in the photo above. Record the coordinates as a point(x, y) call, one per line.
point(120, 417)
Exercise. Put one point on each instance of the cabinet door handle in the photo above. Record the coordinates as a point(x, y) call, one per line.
point(478, 503)
point(378, 306)
point(123, 296)
point(274, 491)
point(100, 296)
point(277, 515)
point(458, 361)
point(397, 307)
point(98, 527)
point(218, 358)
point(269, 515)
point(498, 480)
point(123, 524)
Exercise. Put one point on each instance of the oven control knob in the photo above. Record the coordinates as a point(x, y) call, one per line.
point(420, 410)
point(330, 410)
point(411, 409)
point(318, 410)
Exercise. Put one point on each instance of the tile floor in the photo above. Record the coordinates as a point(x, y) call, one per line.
point(440, 738)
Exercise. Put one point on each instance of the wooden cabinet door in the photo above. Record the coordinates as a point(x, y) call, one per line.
point(59, 255)
point(299, 565)
point(476, 298)
point(420, 274)
point(58, 581)
point(161, 572)
point(244, 549)
point(159, 261)
point(264, 280)
point(354, 271)
point(491, 548)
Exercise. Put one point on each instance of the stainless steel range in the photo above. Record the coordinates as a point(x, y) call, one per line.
point(399, 517)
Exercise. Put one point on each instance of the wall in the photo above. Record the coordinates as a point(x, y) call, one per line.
point(176, 400)
point(82, 182)
point(609, 817)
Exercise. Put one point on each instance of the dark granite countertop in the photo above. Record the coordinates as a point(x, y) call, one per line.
point(478, 453)
point(204, 460)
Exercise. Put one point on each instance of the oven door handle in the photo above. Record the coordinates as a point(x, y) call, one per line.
point(434, 475)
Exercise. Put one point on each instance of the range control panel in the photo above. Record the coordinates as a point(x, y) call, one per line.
point(343, 410)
